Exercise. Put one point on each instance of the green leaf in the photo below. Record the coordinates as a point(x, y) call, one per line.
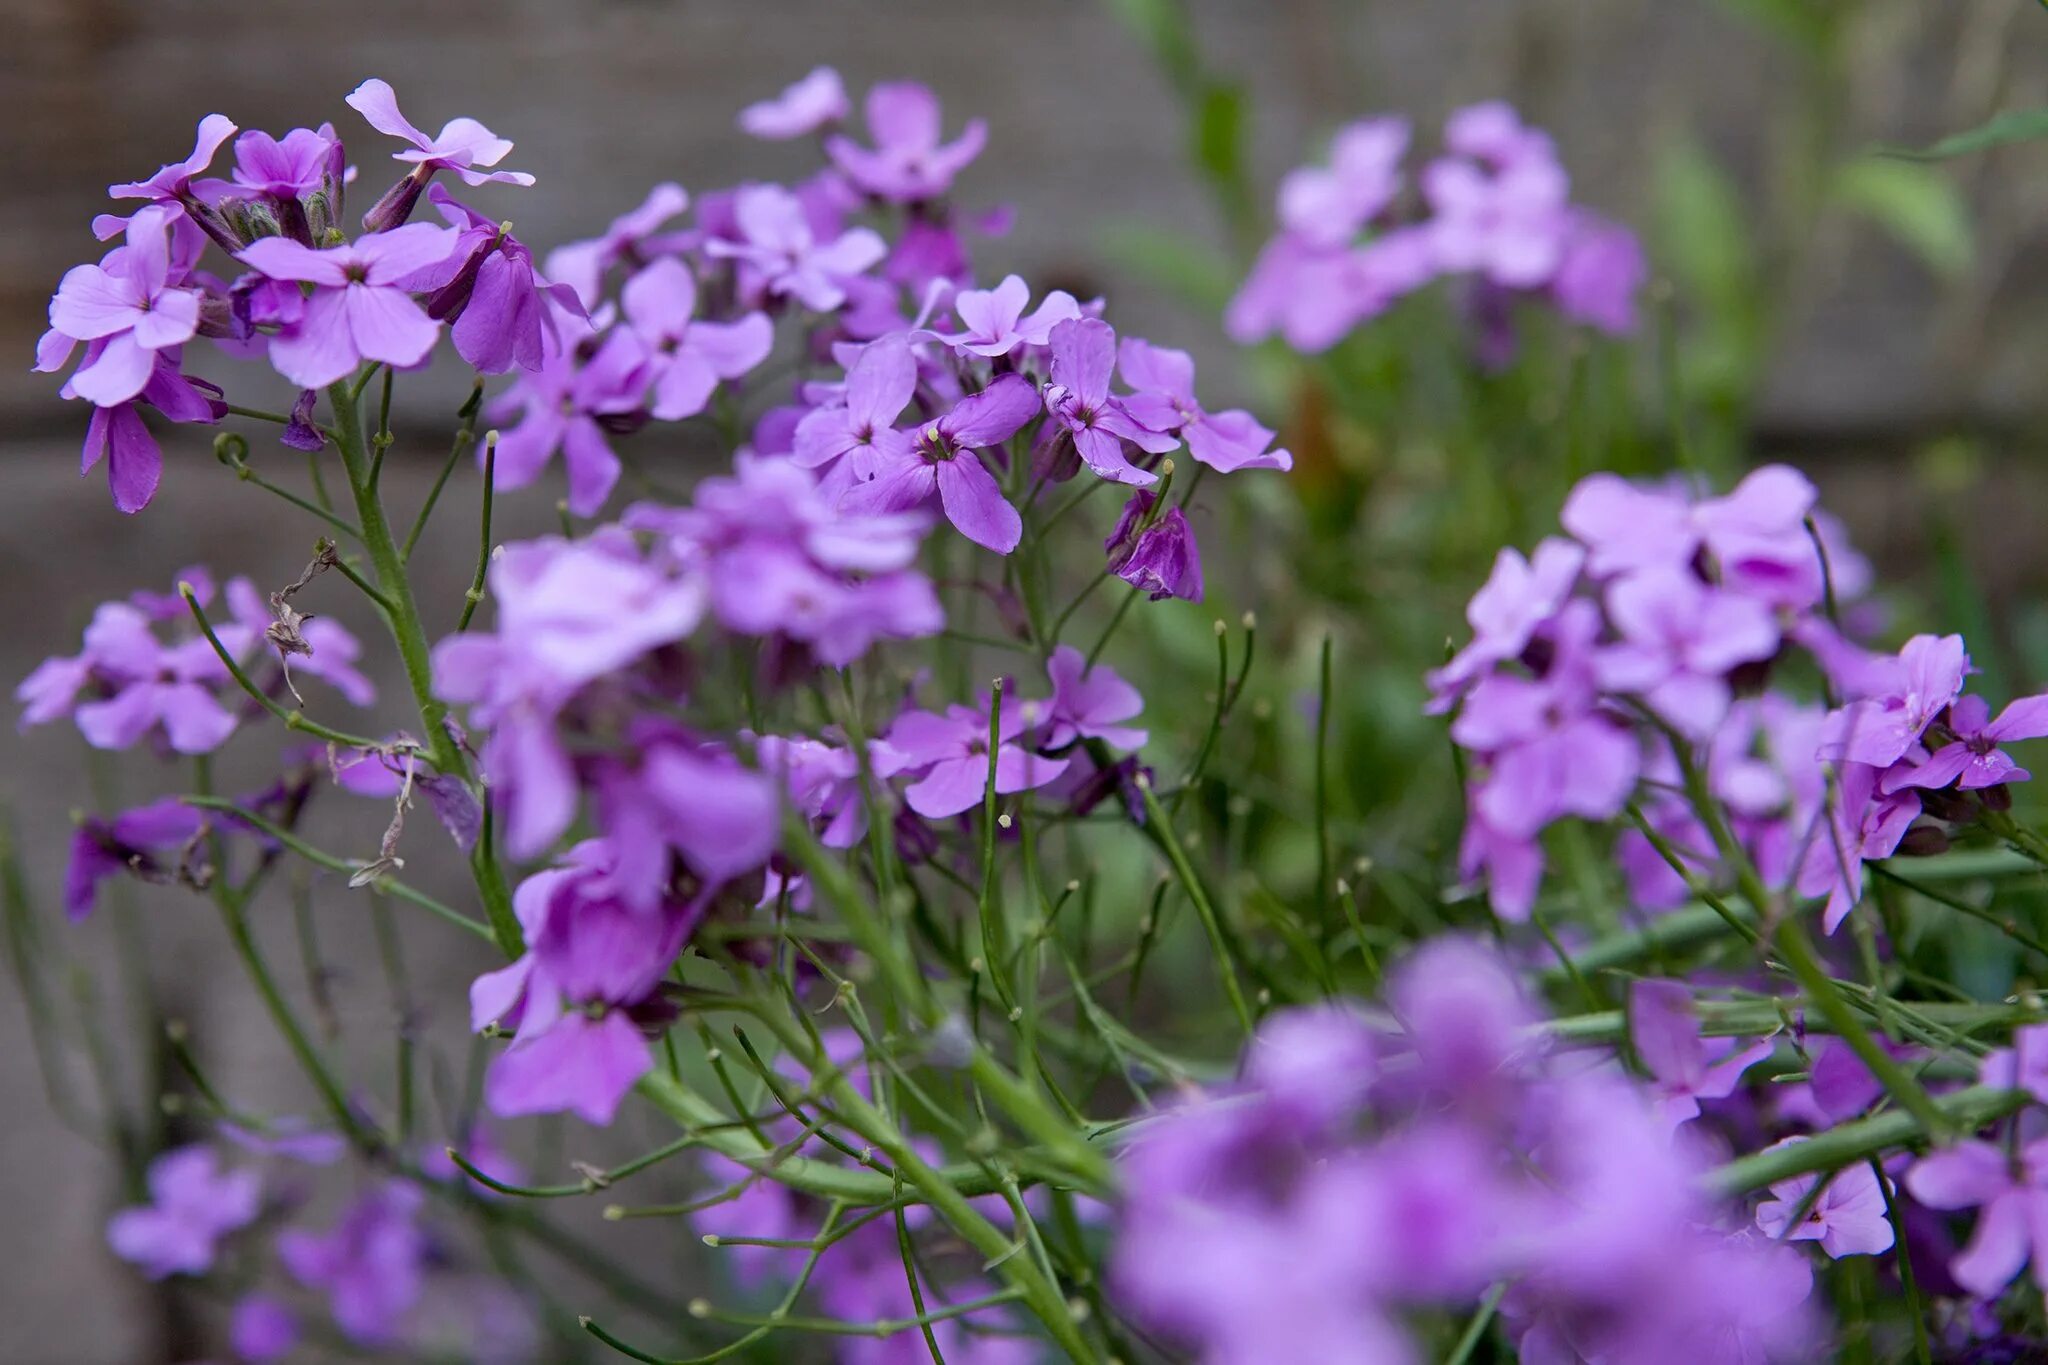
point(1915, 204)
point(1189, 270)
point(1704, 233)
point(2019, 125)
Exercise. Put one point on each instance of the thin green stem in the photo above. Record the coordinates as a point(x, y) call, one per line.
point(293, 720)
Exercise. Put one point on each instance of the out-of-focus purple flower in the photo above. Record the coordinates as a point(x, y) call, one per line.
point(1756, 532)
point(2023, 1066)
point(193, 1204)
point(294, 1139)
point(1319, 1063)
point(133, 841)
point(371, 1264)
point(777, 243)
point(993, 321)
point(1162, 558)
point(908, 161)
point(1505, 222)
point(686, 356)
point(633, 239)
point(1861, 824)
point(1327, 206)
point(591, 958)
point(1602, 272)
point(263, 1328)
point(817, 101)
point(2011, 1194)
point(947, 755)
point(138, 684)
point(1465, 1017)
point(570, 405)
point(1680, 640)
point(823, 782)
point(358, 310)
point(463, 146)
point(944, 462)
point(1083, 358)
point(129, 305)
point(1847, 1218)
point(1973, 759)
point(1510, 863)
point(1164, 380)
point(298, 180)
point(1089, 703)
point(1686, 1067)
point(1312, 296)
point(568, 613)
point(1519, 597)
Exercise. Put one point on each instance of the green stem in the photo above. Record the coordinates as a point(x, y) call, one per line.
point(1965, 1110)
point(403, 617)
point(1157, 819)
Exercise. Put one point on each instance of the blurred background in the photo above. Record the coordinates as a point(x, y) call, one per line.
point(1878, 322)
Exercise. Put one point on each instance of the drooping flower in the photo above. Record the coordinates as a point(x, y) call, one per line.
point(359, 309)
point(1164, 400)
point(817, 101)
point(119, 436)
point(943, 461)
point(193, 1205)
point(1159, 558)
point(133, 841)
point(505, 313)
point(687, 357)
point(908, 162)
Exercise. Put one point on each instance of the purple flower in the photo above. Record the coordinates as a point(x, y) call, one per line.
point(948, 756)
point(1312, 296)
point(133, 841)
point(632, 239)
point(591, 958)
point(1510, 863)
point(358, 310)
point(1318, 1062)
point(1756, 532)
point(1848, 1217)
point(686, 358)
point(862, 428)
point(571, 405)
point(568, 614)
point(1905, 695)
point(1162, 558)
point(1328, 206)
point(1602, 272)
point(1861, 824)
point(2012, 1194)
point(1973, 759)
point(943, 461)
point(1550, 750)
point(817, 101)
point(908, 162)
point(193, 1204)
point(1505, 223)
point(1680, 640)
point(505, 313)
point(371, 1264)
point(263, 1329)
point(993, 321)
point(778, 245)
point(119, 436)
point(463, 146)
point(1164, 400)
point(2023, 1066)
point(1686, 1067)
point(1518, 598)
point(129, 306)
point(1466, 1019)
point(287, 170)
point(1083, 358)
point(1089, 703)
point(138, 683)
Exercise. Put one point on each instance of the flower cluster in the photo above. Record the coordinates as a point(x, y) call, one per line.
point(1495, 208)
point(1643, 663)
point(1366, 1171)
